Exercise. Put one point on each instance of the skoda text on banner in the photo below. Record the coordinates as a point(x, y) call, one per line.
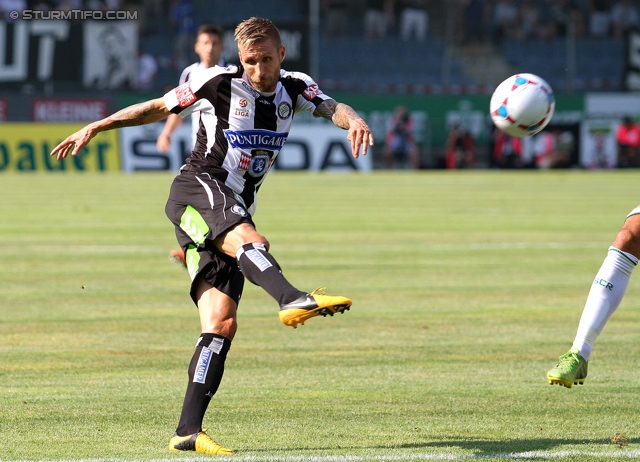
point(308, 147)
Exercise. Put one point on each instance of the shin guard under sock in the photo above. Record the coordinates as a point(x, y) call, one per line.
point(261, 269)
point(205, 373)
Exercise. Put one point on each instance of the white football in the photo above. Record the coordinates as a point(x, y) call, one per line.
point(522, 105)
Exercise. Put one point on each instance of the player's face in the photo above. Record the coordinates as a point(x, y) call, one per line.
point(209, 47)
point(261, 61)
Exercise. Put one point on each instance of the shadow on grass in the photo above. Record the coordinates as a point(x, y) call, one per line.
point(489, 447)
point(480, 448)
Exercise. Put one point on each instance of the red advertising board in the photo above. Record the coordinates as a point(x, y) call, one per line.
point(68, 110)
point(4, 110)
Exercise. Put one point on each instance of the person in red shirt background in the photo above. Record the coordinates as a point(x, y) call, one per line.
point(507, 150)
point(628, 139)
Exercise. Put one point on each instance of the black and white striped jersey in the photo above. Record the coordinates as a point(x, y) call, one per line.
point(187, 74)
point(241, 130)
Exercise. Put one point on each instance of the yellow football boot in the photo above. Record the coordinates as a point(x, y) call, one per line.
point(198, 442)
point(311, 305)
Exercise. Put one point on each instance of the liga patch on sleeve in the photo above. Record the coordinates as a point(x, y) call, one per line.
point(311, 92)
point(184, 95)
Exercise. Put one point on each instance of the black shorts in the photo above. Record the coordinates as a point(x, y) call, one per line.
point(202, 208)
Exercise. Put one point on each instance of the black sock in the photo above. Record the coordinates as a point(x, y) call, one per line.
point(260, 268)
point(205, 374)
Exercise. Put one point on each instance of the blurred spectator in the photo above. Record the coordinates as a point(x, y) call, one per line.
point(529, 18)
point(95, 5)
point(599, 18)
point(507, 150)
point(378, 15)
point(42, 5)
point(112, 5)
point(144, 10)
point(400, 145)
point(147, 69)
point(153, 8)
point(600, 157)
point(7, 6)
point(335, 13)
point(460, 148)
point(553, 149)
point(475, 18)
point(624, 17)
point(504, 21)
point(414, 19)
point(68, 5)
point(565, 14)
point(565, 143)
point(209, 47)
point(628, 139)
point(183, 20)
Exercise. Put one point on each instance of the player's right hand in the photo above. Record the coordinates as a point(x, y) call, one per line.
point(163, 144)
point(74, 143)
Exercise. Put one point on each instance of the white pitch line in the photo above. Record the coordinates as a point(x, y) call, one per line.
point(528, 455)
point(516, 245)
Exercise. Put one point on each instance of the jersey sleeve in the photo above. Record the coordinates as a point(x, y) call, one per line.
point(196, 94)
point(311, 97)
point(186, 74)
point(309, 94)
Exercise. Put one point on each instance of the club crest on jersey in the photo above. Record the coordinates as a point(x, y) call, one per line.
point(255, 139)
point(259, 163)
point(284, 110)
point(238, 210)
point(184, 95)
point(312, 91)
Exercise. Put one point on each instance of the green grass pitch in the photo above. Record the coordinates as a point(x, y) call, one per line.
point(466, 287)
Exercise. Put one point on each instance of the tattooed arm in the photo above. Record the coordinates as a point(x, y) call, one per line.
point(138, 114)
point(345, 117)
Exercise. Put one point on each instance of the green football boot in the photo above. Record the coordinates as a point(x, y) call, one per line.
point(570, 370)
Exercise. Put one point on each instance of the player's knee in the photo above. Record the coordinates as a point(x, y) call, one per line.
point(627, 237)
point(261, 240)
point(226, 327)
point(249, 235)
point(232, 241)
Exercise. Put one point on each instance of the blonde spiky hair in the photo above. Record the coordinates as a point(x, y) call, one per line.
point(254, 30)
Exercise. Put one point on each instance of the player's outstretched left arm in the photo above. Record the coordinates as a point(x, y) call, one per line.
point(138, 114)
point(344, 116)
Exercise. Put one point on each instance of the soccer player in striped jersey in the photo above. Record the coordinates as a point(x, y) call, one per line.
point(246, 114)
point(209, 49)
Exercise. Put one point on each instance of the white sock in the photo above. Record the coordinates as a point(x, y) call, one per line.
point(605, 296)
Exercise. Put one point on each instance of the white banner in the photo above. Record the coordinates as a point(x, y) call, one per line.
point(311, 147)
point(598, 147)
point(319, 147)
point(110, 54)
point(139, 152)
point(614, 105)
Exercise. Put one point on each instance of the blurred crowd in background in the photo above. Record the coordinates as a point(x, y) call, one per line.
point(479, 20)
point(477, 29)
point(482, 18)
